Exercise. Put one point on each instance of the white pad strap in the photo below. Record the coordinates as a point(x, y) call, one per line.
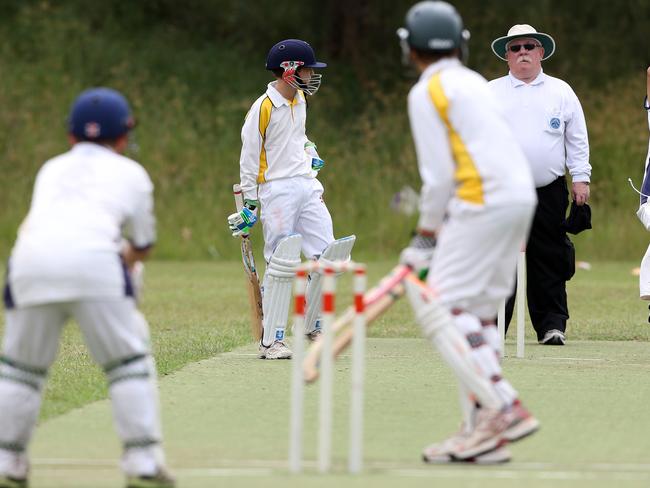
point(438, 326)
point(278, 280)
point(339, 250)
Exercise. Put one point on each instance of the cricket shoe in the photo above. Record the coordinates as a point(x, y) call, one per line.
point(521, 423)
point(11, 482)
point(161, 479)
point(487, 435)
point(315, 334)
point(553, 337)
point(495, 428)
point(277, 350)
point(443, 453)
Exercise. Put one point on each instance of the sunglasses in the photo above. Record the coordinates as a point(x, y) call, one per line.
point(528, 47)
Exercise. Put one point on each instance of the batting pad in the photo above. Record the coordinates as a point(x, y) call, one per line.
point(20, 400)
point(437, 325)
point(339, 250)
point(278, 280)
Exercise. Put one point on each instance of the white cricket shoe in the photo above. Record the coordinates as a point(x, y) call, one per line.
point(161, 479)
point(495, 428)
point(443, 452)
point(521, 424)
point(277, 350)
point(486, 436)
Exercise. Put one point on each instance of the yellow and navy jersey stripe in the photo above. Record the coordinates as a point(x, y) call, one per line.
point(469, 185)
point(266, 108)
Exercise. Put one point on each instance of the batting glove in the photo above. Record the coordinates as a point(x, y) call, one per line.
point(241, 223)
point(419, 253)
point(317, 164)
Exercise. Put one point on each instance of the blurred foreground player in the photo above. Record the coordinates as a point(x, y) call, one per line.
point(69, 262)
point(477, 202)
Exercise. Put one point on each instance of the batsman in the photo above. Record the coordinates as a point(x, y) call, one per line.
point(278, 177)
point(475, 211)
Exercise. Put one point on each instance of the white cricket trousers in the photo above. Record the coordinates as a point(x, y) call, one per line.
point(295, 206)
point(117, 336)
point(475, 260)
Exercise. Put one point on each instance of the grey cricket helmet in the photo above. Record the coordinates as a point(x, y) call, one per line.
point(434, 26)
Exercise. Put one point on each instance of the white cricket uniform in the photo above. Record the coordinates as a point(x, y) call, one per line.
point(550, 126)
point(477, 187)
point(276, 170)
point(68, 246)
point(644, 216)
point(66, 264)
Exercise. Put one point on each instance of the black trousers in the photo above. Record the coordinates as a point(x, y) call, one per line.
point(550, 262)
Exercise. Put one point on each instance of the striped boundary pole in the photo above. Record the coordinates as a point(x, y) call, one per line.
point(355, 463)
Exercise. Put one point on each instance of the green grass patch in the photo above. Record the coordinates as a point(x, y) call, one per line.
point(226, 422)
point(197, 310)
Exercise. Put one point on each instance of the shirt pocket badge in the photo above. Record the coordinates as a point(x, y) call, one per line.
point(554, 123)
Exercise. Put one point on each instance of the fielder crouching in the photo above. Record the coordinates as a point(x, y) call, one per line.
point(278, 170)
point(475, 174)
point(69, 262)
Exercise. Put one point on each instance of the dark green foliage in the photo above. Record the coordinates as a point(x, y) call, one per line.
point(192, 69)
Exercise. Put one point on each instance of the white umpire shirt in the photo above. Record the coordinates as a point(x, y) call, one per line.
point(68, 246)
point(547, 120)
point(273, 141)
point(467, 156)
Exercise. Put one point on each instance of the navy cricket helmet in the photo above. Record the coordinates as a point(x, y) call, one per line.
point(290, 55)
point(100, 114)
point(292, 50)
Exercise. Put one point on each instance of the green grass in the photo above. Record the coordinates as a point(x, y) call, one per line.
point(191, 73)
point(199, 309)
point(226, 414)
point(226, 422)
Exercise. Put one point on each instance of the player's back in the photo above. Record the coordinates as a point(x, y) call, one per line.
point(71, 237)
point(457, 121)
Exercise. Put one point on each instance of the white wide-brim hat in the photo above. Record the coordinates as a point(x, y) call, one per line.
point(523, 30)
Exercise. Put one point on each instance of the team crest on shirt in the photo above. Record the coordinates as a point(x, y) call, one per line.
point(554, 123)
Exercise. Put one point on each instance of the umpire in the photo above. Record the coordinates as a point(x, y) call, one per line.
point(547, 120)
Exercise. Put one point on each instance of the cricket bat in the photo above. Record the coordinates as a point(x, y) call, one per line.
point(253, 282)
point(376, 302)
